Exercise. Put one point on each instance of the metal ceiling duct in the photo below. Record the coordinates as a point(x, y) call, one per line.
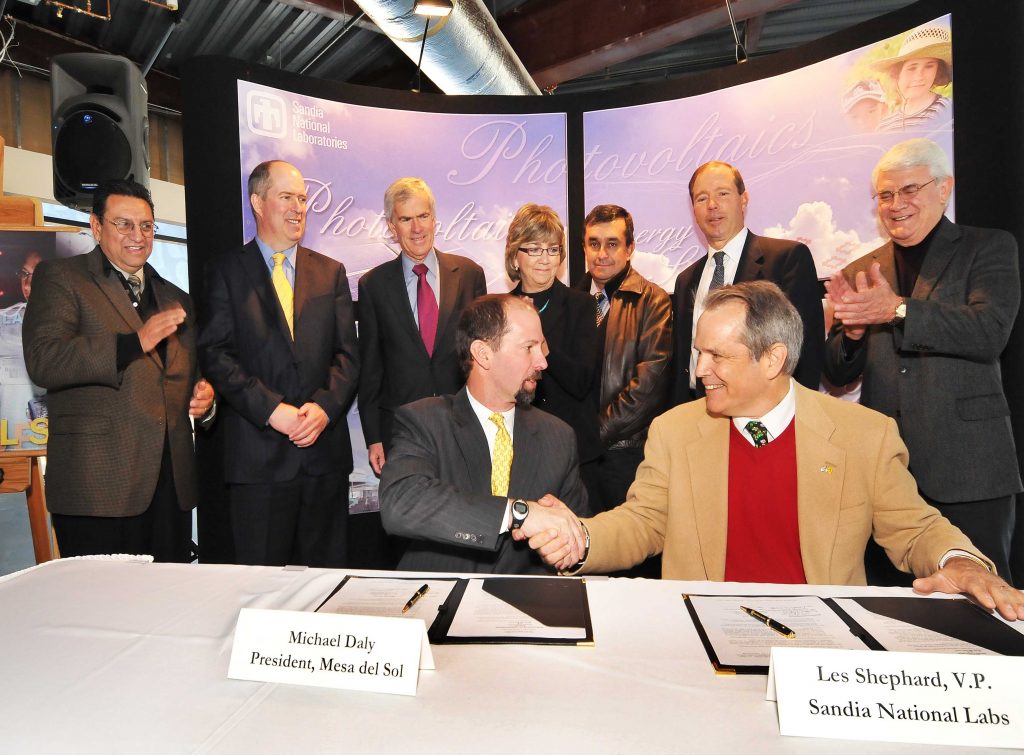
point(466, 53)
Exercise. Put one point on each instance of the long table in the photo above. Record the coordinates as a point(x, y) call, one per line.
point(132, 657)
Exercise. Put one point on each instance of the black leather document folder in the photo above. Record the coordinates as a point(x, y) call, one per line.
point(515, 610)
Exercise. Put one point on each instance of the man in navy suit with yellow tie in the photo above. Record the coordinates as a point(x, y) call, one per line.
point(278, 342)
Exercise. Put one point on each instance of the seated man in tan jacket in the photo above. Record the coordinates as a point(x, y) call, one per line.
point(767, 481)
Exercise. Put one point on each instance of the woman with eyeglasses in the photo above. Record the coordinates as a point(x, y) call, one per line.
point(534, 252)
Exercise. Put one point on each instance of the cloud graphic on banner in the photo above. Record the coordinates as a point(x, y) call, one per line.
point(655, 268)
point(842, 185)
point(831, 247)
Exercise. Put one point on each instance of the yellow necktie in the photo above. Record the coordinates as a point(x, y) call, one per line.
point(284, 291)
point(501, 464)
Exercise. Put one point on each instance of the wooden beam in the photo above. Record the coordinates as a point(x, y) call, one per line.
point(560, 40)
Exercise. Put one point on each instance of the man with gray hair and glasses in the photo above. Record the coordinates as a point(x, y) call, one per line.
point(767, 481)
point(924, 320)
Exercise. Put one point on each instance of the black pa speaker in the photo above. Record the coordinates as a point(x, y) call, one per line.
point(100, 127)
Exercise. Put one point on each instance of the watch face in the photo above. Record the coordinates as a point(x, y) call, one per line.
point(520, 508)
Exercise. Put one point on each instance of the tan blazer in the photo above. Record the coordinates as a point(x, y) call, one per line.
point(851, 478)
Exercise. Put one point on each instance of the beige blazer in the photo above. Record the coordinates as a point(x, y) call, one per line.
point(852, 478)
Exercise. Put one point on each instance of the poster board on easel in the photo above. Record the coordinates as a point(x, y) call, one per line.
point(25, 240)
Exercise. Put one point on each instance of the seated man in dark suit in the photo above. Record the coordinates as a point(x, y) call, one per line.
point(466, 471)
point(767, 481)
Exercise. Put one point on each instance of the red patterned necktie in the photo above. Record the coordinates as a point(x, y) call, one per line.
point(426, 308)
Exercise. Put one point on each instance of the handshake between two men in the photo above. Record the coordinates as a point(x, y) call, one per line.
point(846, 458)
point(553, 530)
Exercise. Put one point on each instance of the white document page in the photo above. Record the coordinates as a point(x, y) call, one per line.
point(372, 596)
point(480, 614)
point(741, 640)
point(896, 635)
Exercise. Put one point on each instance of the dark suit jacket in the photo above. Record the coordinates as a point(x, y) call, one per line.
point(938, 375)
point(787, 264)
point(569, 387)
point(436, 486)
point(253, 364)
point(107, 428)
point(395, 366)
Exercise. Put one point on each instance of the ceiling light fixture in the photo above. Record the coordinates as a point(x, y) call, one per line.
point(430, 9)
point(436, 8)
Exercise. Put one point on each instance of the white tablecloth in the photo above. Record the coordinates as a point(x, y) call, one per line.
point(114, 657)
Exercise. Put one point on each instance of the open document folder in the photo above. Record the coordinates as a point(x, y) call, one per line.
point(509, 610)
point(737, 643)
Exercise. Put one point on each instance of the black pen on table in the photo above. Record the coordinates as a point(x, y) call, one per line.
point(770, 623)
point(416, 596)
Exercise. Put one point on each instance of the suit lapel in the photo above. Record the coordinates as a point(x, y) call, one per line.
point(690, 293)
point(940, 254)
point(164, 301)
point(886, 265)
point(305, 281)
point(710, 492)
point(472, 443)
point(556, 312)
point(524, 463)
point(820, 469)
point(113, 289)
point(448, 274)
point(751, 262)
point(115, 293)
point(399, 300)
point(259, 276)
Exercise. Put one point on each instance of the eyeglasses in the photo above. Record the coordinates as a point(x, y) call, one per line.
point(537, 251)
point(125, 226)
point(887, 197)
point(25, 275)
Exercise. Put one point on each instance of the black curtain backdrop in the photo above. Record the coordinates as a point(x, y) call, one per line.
point(989, 159)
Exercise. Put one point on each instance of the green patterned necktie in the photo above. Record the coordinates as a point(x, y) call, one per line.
point(758, 432)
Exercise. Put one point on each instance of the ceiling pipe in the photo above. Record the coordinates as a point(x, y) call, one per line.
point(465, 53)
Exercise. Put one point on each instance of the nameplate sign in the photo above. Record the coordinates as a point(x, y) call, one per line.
point(922, 698)
point(368, 653)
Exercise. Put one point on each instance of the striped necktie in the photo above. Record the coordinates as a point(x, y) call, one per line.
point(601, 300)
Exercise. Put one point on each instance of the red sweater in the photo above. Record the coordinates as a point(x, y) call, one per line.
point(764, 536)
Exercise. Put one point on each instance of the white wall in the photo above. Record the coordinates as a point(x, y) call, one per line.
point(30, 174)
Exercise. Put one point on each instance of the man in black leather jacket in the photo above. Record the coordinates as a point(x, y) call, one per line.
point(635, 324)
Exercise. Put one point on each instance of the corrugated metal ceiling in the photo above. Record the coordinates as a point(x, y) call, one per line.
point(299, 34)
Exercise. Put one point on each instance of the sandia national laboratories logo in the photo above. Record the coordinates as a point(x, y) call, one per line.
point(267, 114)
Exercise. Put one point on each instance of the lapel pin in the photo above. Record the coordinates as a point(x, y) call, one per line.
point(827, 469)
